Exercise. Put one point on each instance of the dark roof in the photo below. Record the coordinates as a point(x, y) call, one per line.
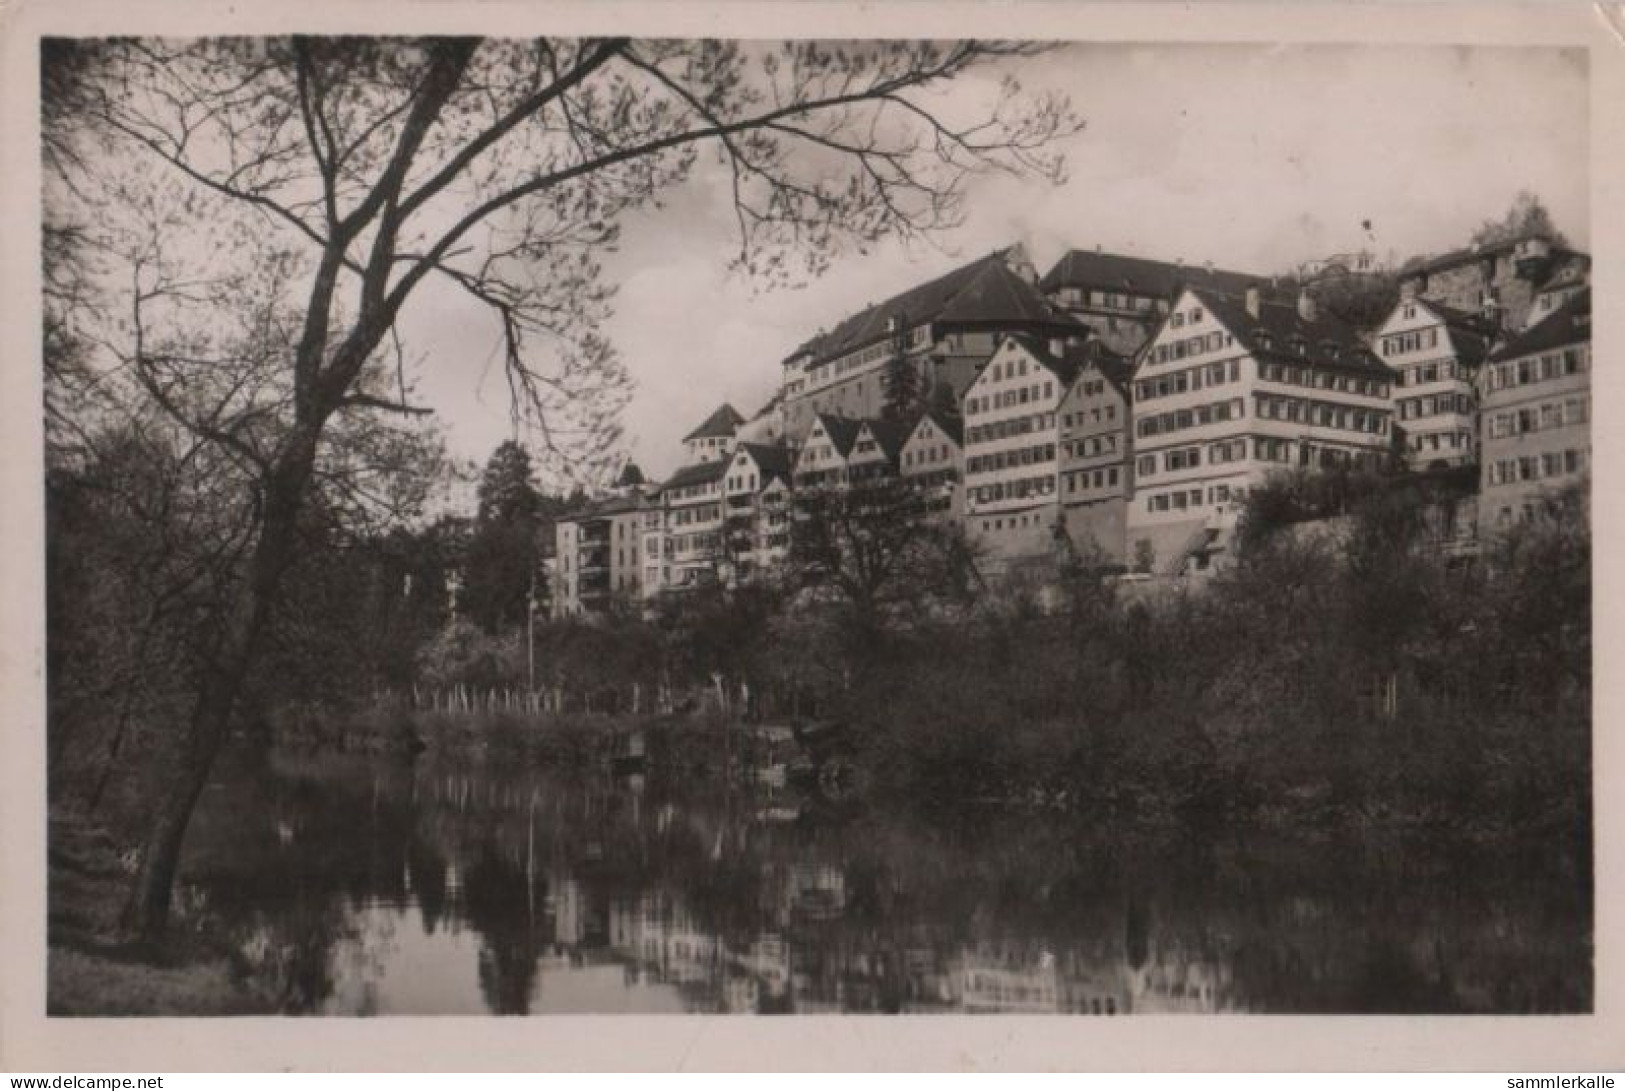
point(723, 422)
point(890, 435)
point(1474, 252)
point(1471, 334)
point(1569, 273)
point(1114, 367)
point(842, 431)
point(1282, 322)
point(610, 505)
point(1144, 276)
point(700, 473)
point(630, 475)
point(953, 427)
point(1568, 325)
point(769, 405)
point(808, 347)
point(773, 461)
point(986, 290)
point(1074, 355)
point(1455, 316)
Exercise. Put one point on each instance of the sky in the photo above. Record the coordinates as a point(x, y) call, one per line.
point(1255, 158)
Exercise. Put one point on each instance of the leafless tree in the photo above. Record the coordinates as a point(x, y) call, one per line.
point(339, 178)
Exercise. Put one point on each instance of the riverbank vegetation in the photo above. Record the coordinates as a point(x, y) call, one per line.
point(1343, 669)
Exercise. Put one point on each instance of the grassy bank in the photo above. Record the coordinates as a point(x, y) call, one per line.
point(90, 972)
point(701, 743)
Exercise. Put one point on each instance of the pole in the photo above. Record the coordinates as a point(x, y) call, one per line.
point(530, 632)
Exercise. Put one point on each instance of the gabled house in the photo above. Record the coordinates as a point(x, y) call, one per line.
point(692, 525)
point(1230, 389)
point(756, 492)
point(1498, 280)
point(1435, 352)
point(1095, 446)
point(1011, 507)
point(876, 451)
point(1535, 393)
point(1569, 280)
point(821, 461)
point(1122, 298)
point(944, 329)
point(933, 460)
point(713, 440)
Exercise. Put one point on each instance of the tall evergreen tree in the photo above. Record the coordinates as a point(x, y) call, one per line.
point(504, 556)
point(900, 381)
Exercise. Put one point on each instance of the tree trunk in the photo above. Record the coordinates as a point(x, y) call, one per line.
point(146, 913)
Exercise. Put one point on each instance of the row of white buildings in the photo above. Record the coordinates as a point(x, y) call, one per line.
point(1122, 407)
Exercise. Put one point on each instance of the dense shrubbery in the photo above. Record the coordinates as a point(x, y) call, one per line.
point(1358, 675)
point(1365, 679)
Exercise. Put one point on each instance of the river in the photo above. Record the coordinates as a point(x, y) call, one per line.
point(377, 885)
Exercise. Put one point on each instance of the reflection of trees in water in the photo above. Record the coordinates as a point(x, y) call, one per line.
point(880, 911)
point(497, 904)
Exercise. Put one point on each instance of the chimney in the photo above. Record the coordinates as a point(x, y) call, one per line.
point(1207, 267)
point(1308, 311)
point(1252, 301)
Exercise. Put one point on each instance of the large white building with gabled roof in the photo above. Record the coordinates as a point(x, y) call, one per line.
point(945, 328)
point(1435, 352)
point(1536, 396)
point(1011, 507)
point(1230, 389)
point(933, 461)
point(756, 511)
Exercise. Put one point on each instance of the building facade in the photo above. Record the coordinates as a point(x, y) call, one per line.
point(821, 461)
point(944, 330)
point(1122, 299)
point(1010, 411)
point(1536, 398)
point(756, 498)
point(877, 449)
point(598, 559)
point(1503, 278)
point(692, 548)
point(933, 460)
point(1095, 448)
point(1229, 390)
point(1435, 352)
point(713, 440)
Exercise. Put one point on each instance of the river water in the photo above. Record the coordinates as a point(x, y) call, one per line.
point(360, 886)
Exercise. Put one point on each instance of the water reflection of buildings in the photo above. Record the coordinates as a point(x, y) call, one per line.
point(1173, 983)
point(573, 895)
point(807, 959)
